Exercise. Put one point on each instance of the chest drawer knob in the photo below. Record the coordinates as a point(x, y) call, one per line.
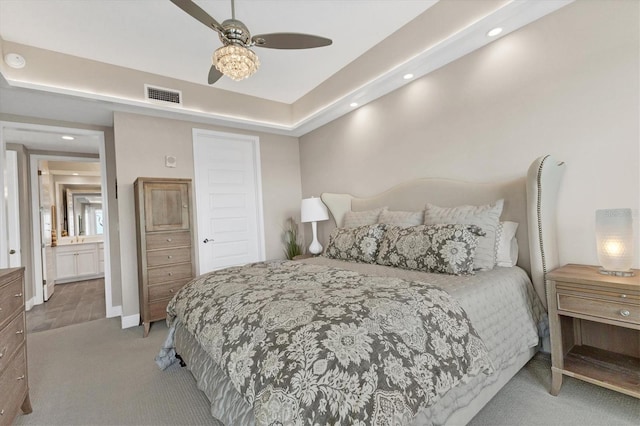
point(18, 295)
point(2, 412)
point(169, 240)
point(170, 273)
point(624, 312)
point(171, 291)
point(169, 257)
point(623, 296)
point(20, 378)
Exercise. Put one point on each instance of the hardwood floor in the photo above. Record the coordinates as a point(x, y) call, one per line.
point(71, 303)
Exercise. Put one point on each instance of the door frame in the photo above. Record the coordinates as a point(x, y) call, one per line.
point(13, 209)
point(37, 290)
point(255, 142)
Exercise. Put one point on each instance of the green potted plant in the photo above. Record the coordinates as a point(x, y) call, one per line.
point(292, 247)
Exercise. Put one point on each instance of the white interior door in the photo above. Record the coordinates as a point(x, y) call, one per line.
point(13, 209)
point(228, 194)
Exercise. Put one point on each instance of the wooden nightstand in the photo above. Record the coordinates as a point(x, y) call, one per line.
point(594, 320)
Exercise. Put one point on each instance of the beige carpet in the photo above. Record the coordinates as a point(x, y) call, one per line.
point(96, 373)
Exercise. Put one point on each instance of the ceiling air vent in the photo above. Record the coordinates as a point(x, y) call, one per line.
point(162, 95)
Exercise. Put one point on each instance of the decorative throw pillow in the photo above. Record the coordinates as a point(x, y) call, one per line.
point(359, 244)
point(401, 218)
point(448, 249)
point(506, 244)
point(486, 217)
point(356, 219)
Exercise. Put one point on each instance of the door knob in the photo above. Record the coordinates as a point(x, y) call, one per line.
point(207, 240)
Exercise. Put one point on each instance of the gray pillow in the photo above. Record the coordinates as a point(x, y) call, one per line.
point(486, 217)
point(359, 244)
point(356, 219)
point(448, 249)
point(401, 218)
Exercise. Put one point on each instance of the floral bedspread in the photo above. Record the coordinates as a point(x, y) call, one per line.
point(312, 345)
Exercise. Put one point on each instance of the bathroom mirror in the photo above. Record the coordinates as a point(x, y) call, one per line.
point(82, 212)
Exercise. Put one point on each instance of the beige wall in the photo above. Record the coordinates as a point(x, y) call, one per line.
point(141, 145)
point(566, 85)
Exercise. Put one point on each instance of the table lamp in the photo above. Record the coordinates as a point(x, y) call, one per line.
point(313, 210)
point(614, 235)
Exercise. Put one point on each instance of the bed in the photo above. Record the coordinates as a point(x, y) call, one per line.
point(364, 334)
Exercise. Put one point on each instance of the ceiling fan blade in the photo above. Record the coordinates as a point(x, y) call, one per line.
point(289, 41)
point(198, 13)
point(214, 74)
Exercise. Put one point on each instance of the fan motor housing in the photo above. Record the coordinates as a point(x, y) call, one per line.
point(235, 32)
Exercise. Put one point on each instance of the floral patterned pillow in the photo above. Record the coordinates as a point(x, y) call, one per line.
point(359, 244)
point(448, 249)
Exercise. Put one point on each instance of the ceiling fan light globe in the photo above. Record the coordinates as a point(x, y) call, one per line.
point(236, 62)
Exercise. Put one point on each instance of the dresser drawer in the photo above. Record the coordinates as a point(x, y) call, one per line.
point(160, 240)
point(158, 310)
point(166, 290)
point(168, 257)
point(169, 273)
point(11, 337)
point(13, 386)
point(11, 300)
point(600, 308)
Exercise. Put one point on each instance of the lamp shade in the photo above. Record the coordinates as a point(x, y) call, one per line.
point(313, 210)
point(614, 235)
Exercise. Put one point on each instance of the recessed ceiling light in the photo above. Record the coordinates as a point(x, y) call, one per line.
point(75, 174)
point(494, 32)
point(68, 138)
point(408, 76)
point(14, 60)
point(353, 104)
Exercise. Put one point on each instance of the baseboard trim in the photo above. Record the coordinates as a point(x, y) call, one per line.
point(29, 304)
point(130, 321)
point(114, 311)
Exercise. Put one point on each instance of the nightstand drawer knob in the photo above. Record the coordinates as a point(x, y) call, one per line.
point(169, 257)
point(624, 296)
point(624, 313)
point(169, 240)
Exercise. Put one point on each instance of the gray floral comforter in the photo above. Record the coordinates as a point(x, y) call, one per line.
point(312, 345)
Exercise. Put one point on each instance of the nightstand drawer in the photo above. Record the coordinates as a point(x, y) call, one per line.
point(599, 308)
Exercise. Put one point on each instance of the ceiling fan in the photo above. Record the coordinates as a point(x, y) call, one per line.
point(234, 59)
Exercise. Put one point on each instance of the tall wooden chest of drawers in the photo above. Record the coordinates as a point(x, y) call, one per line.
point(14, 386)
point(164, 227)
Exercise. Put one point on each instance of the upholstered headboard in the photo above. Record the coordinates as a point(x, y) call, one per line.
point(530, 201)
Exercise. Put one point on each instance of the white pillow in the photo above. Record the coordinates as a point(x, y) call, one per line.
point(486, 217)
point(358, 219)
point(506, 244)
point(401, 218)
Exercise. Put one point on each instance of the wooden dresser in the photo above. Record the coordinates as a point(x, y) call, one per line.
point(14, 387)
point(164, 228)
